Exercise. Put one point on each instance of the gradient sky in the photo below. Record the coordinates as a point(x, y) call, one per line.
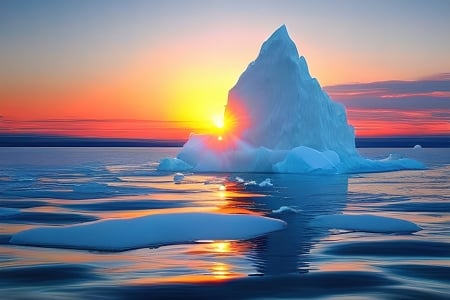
point(112, 68)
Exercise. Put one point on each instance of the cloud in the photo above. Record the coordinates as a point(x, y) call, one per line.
point(402, 95)
point(120, 128)
point(397, 107)
point(439, 76)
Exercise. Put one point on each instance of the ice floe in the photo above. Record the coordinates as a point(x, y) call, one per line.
point(366, 223)
point(149, 231)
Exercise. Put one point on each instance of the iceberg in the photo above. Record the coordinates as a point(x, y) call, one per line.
point(366, 223)
point(149, 231)
point(279, 119)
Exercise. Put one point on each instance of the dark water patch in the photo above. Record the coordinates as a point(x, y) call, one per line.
point(4, 239)
point(409, 293)
point(48, 218)
point(291, 286)
point(46, 274)
point(68, 195)
point(375, 198)
point(22, 203)
point(392, 248)
point(423, 272)
point(126, 205)
point(77, 195)
point(441, 207)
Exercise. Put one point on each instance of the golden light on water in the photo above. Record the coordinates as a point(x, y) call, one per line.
point(221, 270)
point(221, 247)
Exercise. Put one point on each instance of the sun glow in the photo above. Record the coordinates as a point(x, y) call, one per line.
point(218, 121)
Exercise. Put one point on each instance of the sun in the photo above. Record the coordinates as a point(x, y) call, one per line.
point(218, 121)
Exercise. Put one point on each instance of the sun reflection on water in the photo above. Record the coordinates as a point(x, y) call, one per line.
point(220, 270)
point(201, 262)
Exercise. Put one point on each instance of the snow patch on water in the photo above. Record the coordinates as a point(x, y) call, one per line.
point(286, 209)
point(178, 177)
point(366, 223)
point(149, 231)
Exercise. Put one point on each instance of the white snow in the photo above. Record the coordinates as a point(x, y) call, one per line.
point(250, 183)
point(149, 231)
point(279, 119)
point(266, 183)
point(178, 177)
point(307, 160)
point(278, 105)
point(239, 179)
point(417, 147)
point(286, 209)
point(366, 223)
point(7, 212)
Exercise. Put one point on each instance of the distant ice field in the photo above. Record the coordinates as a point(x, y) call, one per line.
point(68, 187)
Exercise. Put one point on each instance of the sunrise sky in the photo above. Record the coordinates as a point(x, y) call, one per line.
point(161, 69)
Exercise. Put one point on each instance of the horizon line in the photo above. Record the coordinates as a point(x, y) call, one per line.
point(39, 140)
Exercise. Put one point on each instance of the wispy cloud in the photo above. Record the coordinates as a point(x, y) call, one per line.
point(397, 107)
point(121, 128)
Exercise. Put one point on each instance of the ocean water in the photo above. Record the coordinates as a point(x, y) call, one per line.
point(64, 186)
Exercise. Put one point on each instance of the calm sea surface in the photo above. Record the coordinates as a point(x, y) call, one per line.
point(63, 186)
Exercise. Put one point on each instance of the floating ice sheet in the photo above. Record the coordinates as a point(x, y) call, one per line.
point(149, 231)
point(367, 223)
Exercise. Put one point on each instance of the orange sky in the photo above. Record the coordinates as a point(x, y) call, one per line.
point(110, 69)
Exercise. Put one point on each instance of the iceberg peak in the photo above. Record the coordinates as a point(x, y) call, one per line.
point(279, 44)
point(281, 34)
point(276, 104)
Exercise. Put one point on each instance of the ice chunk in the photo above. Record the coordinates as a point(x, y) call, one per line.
point(250, 183)
point(307, 160)
point(173, 164)
point(266, 183)
point(391, 163)
point(417, 147)
point(285, 209)
point(178, 177)
point(148, 231)
point(367, 223)
point(207, 154)
point(239, 179)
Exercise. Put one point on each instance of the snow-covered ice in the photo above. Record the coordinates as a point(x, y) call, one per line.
point(366, 223)
point(178, 177)
point(266, 183)
point(279, 119)
point(149, 231)
point(286, 209)
point(173, 164)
